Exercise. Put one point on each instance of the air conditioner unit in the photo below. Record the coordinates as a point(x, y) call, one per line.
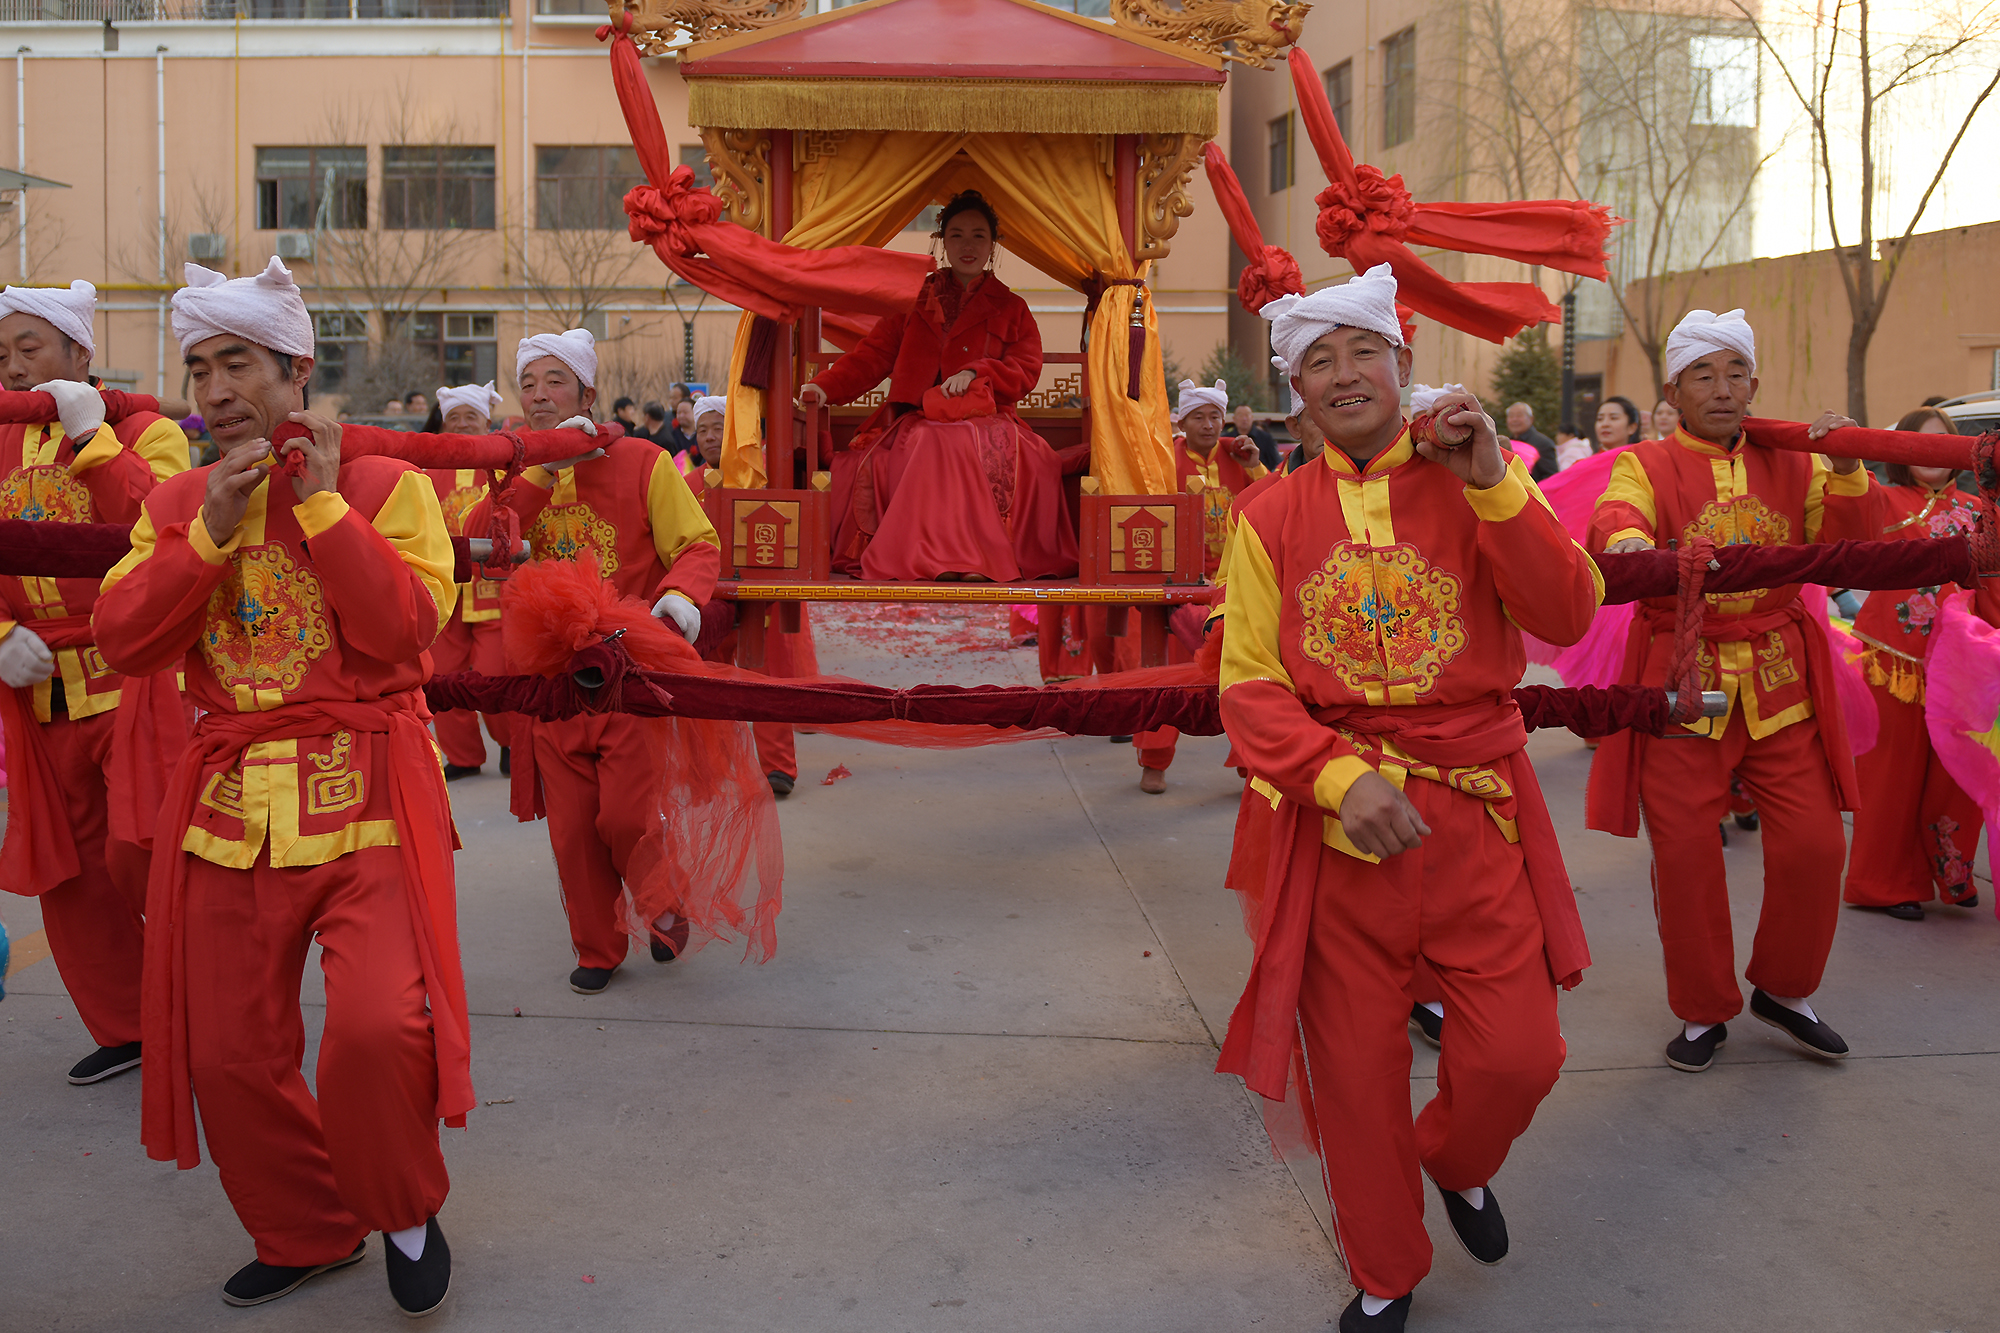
point(208, 245)
point(295, 245)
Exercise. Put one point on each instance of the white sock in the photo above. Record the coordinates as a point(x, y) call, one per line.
point(1374, 1305)
point(1435, 1006)
point(1798, 1006)
point(1694, 1030)
point(410, 1240)
point(1476, 1196)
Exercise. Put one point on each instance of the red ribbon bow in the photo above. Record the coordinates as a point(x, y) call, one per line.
point(663, 214)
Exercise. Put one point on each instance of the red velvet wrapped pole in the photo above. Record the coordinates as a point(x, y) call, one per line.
point(1909, 447)
point(19, 406)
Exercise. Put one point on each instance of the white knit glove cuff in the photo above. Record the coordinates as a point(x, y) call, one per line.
point(80, 406)
point(684, 614)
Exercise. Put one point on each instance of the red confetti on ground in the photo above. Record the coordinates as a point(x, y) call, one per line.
point(588, 1278)
point(517, 1011)
point(838, 772)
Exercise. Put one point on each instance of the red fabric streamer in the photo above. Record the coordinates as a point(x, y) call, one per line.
point(1367, 218)
point(683, 224)
point(1910, 447)
point(720, 860)
point(1684, 667)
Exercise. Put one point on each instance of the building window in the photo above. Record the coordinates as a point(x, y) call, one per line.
point(582, 187)
point(1279, 136)
point(695, 155)
point(340, 344)
point(437, 187)
point(1724, 75)
point(312, 189)
point(1340, 96)
point(1399, 87)
point(462, 343)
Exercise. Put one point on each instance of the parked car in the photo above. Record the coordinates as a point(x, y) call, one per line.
point(1973, 413)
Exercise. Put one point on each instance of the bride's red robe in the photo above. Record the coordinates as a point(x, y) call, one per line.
point(928, 488)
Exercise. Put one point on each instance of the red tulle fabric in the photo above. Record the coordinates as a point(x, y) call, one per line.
point(719, 861)
point(1368, 218)
point(682, 223)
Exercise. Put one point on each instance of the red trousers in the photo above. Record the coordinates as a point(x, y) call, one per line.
point(1462, 903)
point(96, 921)
point(474, 647)
point(309, 1178)
point(1916, 832)
point(1683, 793)
point(601, 778)
point(1156, 747)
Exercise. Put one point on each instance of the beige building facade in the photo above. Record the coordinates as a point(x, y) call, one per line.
point(452, 178)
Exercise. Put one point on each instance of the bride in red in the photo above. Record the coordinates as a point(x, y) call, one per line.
point(946, 482)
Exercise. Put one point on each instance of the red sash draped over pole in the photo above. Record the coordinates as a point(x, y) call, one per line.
point(1367, 218)
point(684, 226)
point(423, 827)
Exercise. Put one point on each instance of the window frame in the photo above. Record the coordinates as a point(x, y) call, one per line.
point(1343, 103)
point(404, 210)
point(351, 190)
point(609, 186)
point(1281, 137)
point(1399, 87)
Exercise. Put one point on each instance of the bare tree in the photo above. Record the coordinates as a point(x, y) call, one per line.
point(203, 207)
point(575, 274)
point(376, 269)
point(1849, 83)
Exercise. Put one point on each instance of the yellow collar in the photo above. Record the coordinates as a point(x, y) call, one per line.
point(1394, 456)
point(1705, 447)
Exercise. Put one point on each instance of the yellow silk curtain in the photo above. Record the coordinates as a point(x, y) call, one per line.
point(862, 194)
point(1058, 210)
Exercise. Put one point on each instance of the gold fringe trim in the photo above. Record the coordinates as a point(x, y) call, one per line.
point(955, 106)
point(1902, 676)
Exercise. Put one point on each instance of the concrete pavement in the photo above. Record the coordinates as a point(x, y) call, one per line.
point(974, 1091)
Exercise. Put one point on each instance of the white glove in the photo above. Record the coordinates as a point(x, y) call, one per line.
point(24, 659)
point(81, 406)
point(685, 615)
point(588, 427)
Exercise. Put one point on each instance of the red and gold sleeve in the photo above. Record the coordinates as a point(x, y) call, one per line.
point(1547, 583)
point(119, 476)
point(1841, 507)
point(387, 576)
point(682, 535)
point(152, 604)
point(867, 365)
point(1627, 507)
point(1271, 729)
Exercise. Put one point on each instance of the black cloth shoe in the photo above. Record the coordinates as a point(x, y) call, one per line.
point(1482, 1231)
point(590, 980)
point(1120, 740)
point(1429, 1026)
point(105, 1062)
point(672, 944)
point(1812, 1036)
point(1691, 1057)
point(1970, 900)
point(1391, 1320)
point(257, 1281)
point(419, 1285)
point(453, 772)
point(1905, 912)
point(781, 785)
point(506, 762)
point(1748, 823)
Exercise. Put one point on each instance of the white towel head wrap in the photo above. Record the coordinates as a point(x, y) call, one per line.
point(68, 308)
point(1366, 301)
point(1194, 395)
point(706, 403)
point(481, 398)
point(265, 309)
point(1703, 331)
point(575, 349)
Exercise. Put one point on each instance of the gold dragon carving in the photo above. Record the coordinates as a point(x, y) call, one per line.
point(659, 25)
point(1248, 31)
point(1166, 161)
point(741, 162)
